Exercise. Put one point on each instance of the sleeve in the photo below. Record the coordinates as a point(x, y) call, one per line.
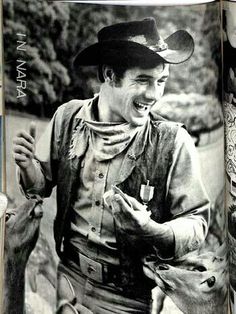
point(46, 157)
point(186, 198)
point(187, 203)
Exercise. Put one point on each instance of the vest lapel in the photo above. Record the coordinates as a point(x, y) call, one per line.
point(132, 155)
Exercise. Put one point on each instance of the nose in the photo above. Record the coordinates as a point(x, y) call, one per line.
point(153, 92)
point(163, 267)
point(36, 212)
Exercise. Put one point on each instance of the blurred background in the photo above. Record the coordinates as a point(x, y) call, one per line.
point(55, 32)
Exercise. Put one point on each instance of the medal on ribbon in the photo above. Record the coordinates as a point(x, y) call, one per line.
point(146, 192)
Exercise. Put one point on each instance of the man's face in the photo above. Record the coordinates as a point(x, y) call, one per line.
point(231, 23)
point(138, 91)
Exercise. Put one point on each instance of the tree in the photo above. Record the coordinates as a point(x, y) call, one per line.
point(57, 31)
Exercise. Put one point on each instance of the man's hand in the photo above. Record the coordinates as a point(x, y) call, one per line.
point(23, 153)
point(24, 147)
point(129, 214)
point(132, 217)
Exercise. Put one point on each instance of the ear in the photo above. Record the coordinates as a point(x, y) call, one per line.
point(108, 74)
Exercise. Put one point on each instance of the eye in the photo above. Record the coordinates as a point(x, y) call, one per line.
point(211, 281)
point(162, 81)
point(142, 81)
point(200, 268)
point(8, 216)
point(31, 213)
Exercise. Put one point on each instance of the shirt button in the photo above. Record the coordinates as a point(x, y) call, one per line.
point(93, 229)
point(97, 203)
point(101, 175)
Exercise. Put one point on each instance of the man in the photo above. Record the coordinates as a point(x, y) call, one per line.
point(128, 182)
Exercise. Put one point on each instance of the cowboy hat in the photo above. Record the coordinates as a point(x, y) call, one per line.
point(134, 43)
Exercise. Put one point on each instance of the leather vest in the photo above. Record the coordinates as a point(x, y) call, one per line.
point(149, 157)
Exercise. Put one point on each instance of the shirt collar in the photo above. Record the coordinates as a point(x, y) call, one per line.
point(82, 114)
point(134, 151)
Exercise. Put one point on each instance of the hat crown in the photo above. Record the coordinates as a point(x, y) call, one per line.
point(136, 43)
point(144, 31)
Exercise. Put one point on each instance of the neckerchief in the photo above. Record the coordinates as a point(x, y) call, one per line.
point(108, 139)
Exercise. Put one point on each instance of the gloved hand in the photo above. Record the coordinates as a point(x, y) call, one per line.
point(129, 214)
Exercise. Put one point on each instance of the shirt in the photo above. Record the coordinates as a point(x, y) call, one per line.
point(92, 223)
point(184, 155)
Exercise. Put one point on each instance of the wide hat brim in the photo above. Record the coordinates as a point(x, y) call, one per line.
point(180, 48)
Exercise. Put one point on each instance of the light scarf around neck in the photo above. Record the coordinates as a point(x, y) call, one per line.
point(108, 139)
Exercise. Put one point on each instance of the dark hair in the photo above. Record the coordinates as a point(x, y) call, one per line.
point(119, 70)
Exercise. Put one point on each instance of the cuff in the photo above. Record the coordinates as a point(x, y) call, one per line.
point(37, 188)
point(186, 237)
point(162, 237)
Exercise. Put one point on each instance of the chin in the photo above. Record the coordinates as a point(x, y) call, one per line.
point(138, 121)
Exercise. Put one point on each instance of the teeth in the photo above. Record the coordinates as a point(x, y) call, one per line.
point(140, 106)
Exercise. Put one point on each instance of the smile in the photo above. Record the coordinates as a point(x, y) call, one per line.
point(141, 106)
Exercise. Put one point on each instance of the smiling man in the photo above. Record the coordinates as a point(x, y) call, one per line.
point(132, 100)
point(128, 181)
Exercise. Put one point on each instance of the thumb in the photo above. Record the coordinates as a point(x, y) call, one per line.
point(32, 129)
point(115, 205)
point(136, 204)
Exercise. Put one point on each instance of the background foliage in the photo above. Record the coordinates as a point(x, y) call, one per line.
point(57, 31)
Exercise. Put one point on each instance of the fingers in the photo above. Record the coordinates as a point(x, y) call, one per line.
point(119, 216)
point(131, 201)
point(22, 150)
point(20, 141)
point(22, 160)
point(107, 197)
point(25, 135)
point(128, 203)
point(24, 146)
point(118, 191)
point(136, 204)
point(19, 157)
point(119, 204)
point(32, 129)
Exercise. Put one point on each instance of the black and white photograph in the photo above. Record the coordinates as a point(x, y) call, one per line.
point(115, 173)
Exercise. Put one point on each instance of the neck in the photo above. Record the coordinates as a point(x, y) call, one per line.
point(104, 101)
point(14, 287)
